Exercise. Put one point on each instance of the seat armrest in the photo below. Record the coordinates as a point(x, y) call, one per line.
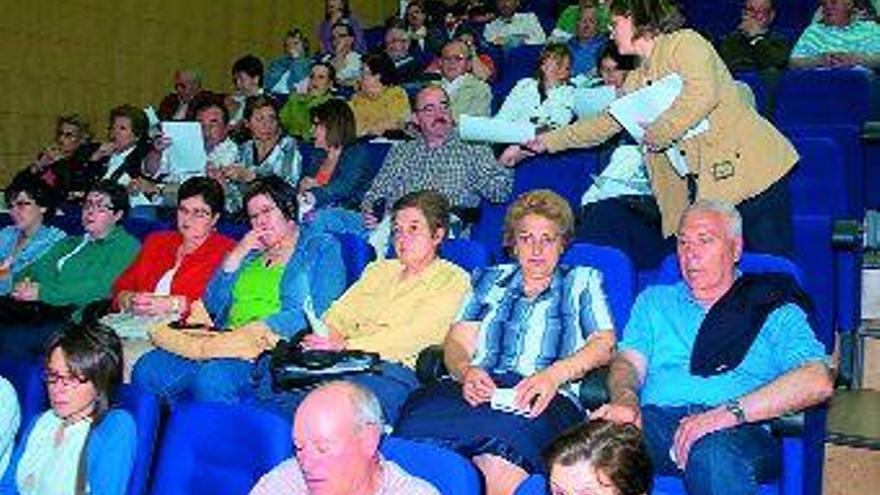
point(789, 425)
point(429, 365)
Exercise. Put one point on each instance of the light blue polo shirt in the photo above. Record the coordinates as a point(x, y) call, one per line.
point(663, 327)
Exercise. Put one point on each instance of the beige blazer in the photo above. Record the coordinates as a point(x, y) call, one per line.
point(740, 155)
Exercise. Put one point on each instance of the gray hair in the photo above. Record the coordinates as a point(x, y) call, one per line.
point(192, 74)
point(727, 211)
point(364, 403)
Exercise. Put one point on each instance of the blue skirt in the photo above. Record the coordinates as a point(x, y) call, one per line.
point(438, 413)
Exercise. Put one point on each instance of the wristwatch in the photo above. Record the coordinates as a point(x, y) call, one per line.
point(735, 408)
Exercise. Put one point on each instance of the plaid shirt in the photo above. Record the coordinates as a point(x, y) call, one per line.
point(462, 172)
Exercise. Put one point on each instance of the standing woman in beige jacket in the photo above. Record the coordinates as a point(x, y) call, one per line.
point(741, 158)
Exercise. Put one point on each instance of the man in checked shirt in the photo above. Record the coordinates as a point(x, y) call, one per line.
point(437, 159)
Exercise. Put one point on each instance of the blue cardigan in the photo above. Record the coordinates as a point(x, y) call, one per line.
point(350, 179)
point(111, 454)
point(315, 268)
point(43, 239)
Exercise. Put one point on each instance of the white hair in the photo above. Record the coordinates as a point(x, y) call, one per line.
point(727, 211)
point(364, 403)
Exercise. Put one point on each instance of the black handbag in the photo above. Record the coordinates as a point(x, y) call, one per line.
point(14, 312)
point(293, 367)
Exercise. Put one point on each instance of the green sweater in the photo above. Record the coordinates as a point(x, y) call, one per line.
point(86, 276)
point(571, 16)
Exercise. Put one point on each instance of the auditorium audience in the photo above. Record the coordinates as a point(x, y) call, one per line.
point(338, 11)
point(31, 203)
point(587, 42)
point(753, 45)
point(247, 75)
point(121, 159)
point(599, 457)
point(428, 38)
point(703, 412)
point(380, 106)
point(294, 115)
point(269, 152)
point(336, 434)
point(344, 58)
point(499, 345)
point(180, 104)
point(64, 164)
point(438, 160)
point(340, 173)
point(258, 292)
point(511, 28)
point(838, 39)
point(467, 93)
point(76, 271)
point(481, 64)
point(546, 100)
point(82, 444)
point(396, 309)
point(740, 158)
point(10, 420)
point(173, 267)
point(567, 25)
point(288, 70)
point(398, 47)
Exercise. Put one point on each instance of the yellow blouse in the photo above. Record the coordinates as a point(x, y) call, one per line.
point(397, 319)
point(387, 112)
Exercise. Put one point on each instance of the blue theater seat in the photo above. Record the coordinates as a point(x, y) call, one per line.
point(465, 253)
point(448, 471)
point(144, 408)
point(356, 254)
point(27, 378)
point(219, 449)
point(823, 97)
point(618, 277)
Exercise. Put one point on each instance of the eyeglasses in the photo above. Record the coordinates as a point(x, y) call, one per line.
point(22, 203)
point(98, 206)
point(65, 381)
point(199, 213)
point(67, 134)
point(530, 240)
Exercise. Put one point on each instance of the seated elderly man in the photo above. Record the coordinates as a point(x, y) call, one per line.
point(700, 375)
point(438, 160)
point(398, 48)
point(467, 93)
point(838, 39)
point(753, 45)
point(187, 90)
point(586, 44)
point(336, 432)
point(512, 28)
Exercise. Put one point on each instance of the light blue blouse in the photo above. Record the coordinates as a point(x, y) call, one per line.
point(43, 239)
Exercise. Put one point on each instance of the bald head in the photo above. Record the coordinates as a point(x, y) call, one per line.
point(336, 432)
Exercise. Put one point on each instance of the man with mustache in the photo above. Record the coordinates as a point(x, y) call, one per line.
point(437, 160)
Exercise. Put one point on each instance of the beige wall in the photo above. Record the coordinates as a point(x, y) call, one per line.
point(87, 55)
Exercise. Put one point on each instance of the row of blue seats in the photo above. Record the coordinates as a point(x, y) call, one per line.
point(200, 453)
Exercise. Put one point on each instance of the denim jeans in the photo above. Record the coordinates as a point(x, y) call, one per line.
point(174, 378)
point(730, 462)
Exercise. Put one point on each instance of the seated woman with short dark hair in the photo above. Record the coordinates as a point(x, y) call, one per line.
point(31, 202)
point(173, 267)
point(258, 291)
point(528, 333)
point(75, 272)
point(83, 365)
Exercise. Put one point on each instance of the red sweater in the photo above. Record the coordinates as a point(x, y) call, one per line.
point(158, 255)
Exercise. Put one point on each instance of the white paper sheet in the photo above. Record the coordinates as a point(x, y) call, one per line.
point(491, 130)
point(186, 154)
point(645, 105)
point(592, 101)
